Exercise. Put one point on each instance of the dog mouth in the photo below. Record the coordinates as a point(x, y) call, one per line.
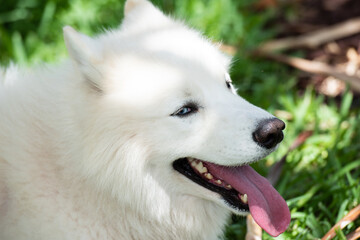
point(242, 189)
point(197, 171)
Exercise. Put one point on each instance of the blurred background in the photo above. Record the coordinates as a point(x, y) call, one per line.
point(311, 81)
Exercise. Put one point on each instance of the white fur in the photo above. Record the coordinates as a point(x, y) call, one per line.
point(86, 147)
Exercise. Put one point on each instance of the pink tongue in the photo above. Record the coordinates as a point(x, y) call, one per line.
point(266, 205)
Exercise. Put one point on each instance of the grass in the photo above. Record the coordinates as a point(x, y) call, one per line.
point(321, 178)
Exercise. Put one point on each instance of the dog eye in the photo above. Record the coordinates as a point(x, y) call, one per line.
point(186, 110)
point(228, 84)
point(228, 81)
point(183, 111)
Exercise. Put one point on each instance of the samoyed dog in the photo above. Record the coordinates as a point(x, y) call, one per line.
point(139, 135)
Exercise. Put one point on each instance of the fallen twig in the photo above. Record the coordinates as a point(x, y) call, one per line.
point(313, 67)
point(253, 231)
point(228, 49)
point(303, 64)
point(350, 217)
point(316, 38)
point(354, 235)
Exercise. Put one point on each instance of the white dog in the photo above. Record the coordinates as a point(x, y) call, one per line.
point(140, 135)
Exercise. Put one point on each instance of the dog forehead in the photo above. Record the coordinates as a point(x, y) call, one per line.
point(146, 30)
point(169, 58)
point(172, 41)
point(138, 82)
point(163, 69)
point(185, 45)
point(136, 77)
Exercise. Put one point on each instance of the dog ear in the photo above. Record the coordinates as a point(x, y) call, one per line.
point(131, 4)
point(86, 53)
point(142, 15)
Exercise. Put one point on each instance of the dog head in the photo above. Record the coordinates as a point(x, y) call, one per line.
point(162, 117)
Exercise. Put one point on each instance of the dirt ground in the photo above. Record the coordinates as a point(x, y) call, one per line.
point(310, 15)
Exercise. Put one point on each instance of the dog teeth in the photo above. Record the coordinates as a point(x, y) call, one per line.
point(198, 165)
point(203, 170)
point(208, 176)
point(244, 198)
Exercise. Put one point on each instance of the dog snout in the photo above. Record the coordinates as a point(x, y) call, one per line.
point(269, 132)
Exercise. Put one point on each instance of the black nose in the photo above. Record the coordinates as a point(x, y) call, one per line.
point(269, 132)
